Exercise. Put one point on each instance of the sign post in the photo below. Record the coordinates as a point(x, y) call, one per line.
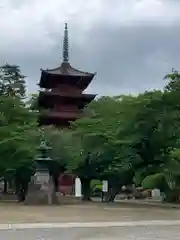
point(104, 189)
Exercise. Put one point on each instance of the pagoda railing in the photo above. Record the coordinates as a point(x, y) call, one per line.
point(62, 114)
point(62, 93)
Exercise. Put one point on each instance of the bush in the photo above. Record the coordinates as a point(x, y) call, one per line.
point(155, 181)
point(96, 186)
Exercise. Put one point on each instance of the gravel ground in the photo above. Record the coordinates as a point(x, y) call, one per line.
point(118, 233)
point(14, 213)
point(90, 213)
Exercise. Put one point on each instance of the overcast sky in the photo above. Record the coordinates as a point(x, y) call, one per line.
point(131, 44)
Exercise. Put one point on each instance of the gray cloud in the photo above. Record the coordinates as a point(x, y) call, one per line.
point(132, 59)
point(128, 58)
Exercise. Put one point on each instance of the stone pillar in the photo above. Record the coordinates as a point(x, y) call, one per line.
point(104, 190)
point(156, 194)
point(78, 188)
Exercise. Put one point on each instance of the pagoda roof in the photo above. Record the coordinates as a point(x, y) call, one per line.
point(64, 94)
point(46, 98)
point(65, 69)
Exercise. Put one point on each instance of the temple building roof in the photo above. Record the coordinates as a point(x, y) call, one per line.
point(67, 70)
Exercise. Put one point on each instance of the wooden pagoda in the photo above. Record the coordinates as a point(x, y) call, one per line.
point(61, 99)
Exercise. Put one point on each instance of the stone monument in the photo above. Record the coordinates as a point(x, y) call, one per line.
point(78, 188)
point(41, 187)
point(156, 194)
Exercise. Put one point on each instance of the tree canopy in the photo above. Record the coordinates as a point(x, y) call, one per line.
point(125, 139)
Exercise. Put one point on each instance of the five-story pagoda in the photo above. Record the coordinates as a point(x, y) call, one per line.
point(62, 96)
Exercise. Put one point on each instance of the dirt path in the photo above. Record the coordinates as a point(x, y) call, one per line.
point(15, 213)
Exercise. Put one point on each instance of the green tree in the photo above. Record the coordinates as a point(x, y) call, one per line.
point(105, 151)
point(32, 102)
point(128, 133)
point(18, 134)
point(18, 127)
point(12, 81)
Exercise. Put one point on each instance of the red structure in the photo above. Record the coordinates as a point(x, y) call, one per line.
point(62, 99)
point(66, 183)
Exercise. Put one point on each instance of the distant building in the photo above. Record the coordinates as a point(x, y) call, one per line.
point(63, 99)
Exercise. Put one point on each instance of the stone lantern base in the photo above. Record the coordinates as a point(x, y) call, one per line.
point(41, 190)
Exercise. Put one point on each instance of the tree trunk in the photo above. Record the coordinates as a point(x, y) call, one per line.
point(21, 190)
point(172, 196)
point(5, 186)
point(86, 189)
point(113, 191)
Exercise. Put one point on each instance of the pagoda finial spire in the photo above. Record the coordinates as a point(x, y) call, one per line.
point(65, 45)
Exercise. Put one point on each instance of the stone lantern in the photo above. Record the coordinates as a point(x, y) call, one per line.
point(43, 161)
point(41, 188)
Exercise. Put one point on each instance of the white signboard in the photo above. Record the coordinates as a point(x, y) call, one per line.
point(105, 186)
point(78, 192)
point(156, 194)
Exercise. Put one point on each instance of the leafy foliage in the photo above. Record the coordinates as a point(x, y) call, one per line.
point(131, 135)
point(155, 181)
point(12, 82)
point(18, 127)
point(123, 139)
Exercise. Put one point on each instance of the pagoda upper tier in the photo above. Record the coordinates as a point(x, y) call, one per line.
point(48, 99)
point(65, 74)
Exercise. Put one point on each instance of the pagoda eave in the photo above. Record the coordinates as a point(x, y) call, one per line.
point(46, 72)
point(48, 80)
point(81, 97)
point(65, 69)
